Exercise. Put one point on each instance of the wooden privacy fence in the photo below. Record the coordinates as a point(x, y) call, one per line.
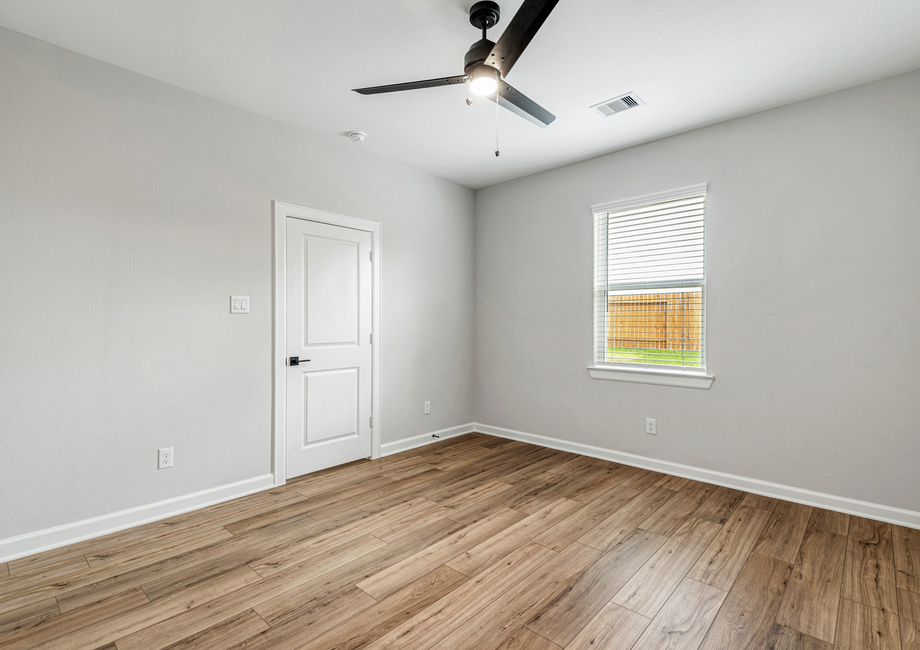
point(666, 321)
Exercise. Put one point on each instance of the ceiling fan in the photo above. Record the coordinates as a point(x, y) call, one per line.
point(486, 64)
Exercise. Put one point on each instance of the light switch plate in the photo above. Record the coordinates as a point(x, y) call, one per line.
point(239, 304)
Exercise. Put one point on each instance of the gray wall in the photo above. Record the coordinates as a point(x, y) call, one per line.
point(813, 262)
point(130, 211)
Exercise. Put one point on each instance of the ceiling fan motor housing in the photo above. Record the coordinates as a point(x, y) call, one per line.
point(477, 54)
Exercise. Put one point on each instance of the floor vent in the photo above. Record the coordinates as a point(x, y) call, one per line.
point(618, 104)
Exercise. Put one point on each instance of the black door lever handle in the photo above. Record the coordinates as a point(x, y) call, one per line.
point(296, 361)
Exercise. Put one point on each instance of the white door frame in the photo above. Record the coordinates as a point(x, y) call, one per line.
point(280, 214)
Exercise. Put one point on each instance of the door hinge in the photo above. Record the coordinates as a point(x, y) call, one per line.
point(370, 422)
point(372, 339)
point(372, 256)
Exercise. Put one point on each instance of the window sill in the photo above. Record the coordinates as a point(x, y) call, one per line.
point(681, 378)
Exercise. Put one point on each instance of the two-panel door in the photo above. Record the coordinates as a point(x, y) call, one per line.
point(329, 317)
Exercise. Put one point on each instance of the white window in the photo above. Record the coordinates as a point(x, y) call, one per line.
point(650, 288)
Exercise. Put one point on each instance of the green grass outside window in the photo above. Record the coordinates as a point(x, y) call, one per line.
point(654, 357)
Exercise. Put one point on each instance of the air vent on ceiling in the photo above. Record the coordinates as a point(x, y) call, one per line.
point(618, 104)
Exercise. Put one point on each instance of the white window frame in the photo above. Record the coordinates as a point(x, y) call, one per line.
point(660, 375)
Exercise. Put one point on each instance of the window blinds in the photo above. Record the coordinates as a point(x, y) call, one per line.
point(650, 280)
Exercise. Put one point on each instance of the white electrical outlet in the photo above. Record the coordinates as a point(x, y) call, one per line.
point(427, 408)
point(650, 426)
point(165, 457)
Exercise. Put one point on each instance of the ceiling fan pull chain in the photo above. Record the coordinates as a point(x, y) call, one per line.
point(496, 125)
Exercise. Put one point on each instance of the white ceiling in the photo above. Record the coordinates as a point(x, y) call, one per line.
point(693, 63)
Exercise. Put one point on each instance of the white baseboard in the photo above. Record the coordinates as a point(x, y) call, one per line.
point(406, 444)
point(45, 540)
point(846, 505)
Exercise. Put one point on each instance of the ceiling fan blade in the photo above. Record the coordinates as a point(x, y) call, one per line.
point(520, 31)
point(412, 85)
point(517, 102)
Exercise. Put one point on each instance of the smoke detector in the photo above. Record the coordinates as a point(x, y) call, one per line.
point(357, 136)
point(618, 104)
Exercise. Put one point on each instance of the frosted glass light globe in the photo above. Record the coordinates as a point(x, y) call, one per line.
point(483, 85)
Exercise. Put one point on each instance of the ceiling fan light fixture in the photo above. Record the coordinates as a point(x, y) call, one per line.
point(483, 80)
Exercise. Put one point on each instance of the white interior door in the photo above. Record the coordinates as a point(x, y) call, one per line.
point(329, 322)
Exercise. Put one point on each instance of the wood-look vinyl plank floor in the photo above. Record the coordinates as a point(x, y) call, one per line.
point(783, 533)
point(441, 617)
point(907, 558)
point(869, 575)
point(866, 627)
point(812, 596)
point(684, 619)
point(721, 562)
point(613, 627)
point(562, 618)
point(477, 543)
point(909, 616)
point(749, 611)
point(524, 639)
point(678, 509)
point(652, 585)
